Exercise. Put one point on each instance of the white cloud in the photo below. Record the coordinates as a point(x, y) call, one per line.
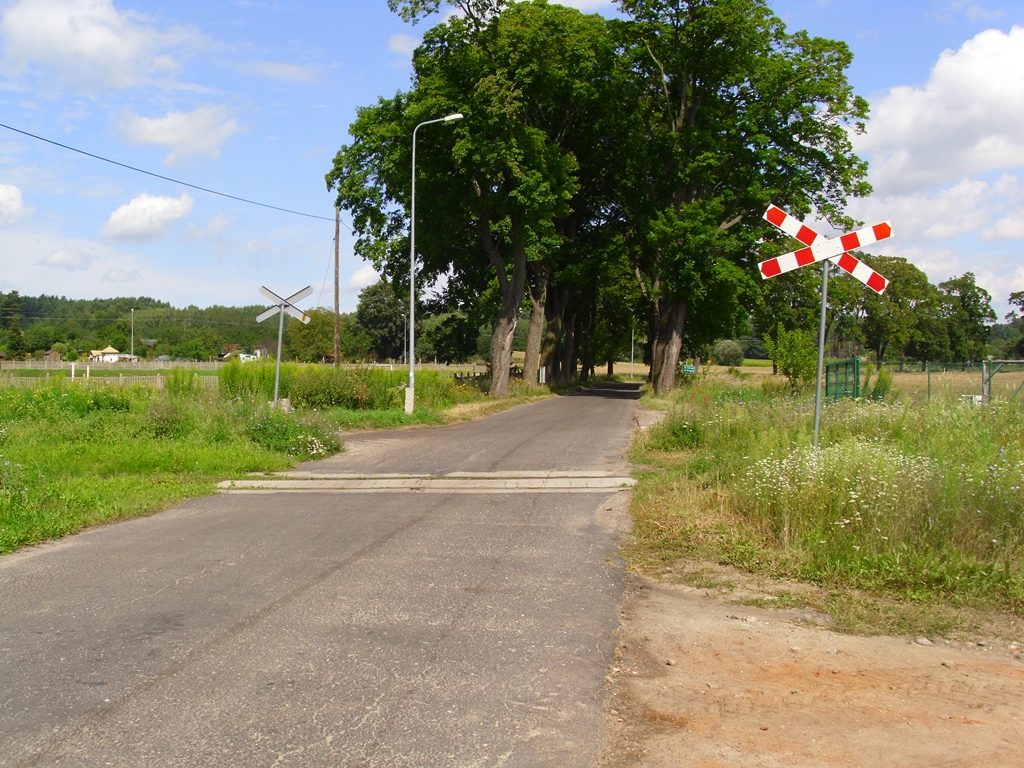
point(403, 44)
point(292, 73)
point(199, 132)
point(88, 43)
point(363, 278)
point(12, 207)
point(964, 122)
point(214, 228)
point(145, 218)
point(1010, 227)
point(121, 276)
point(71, 259)
point(945, 213)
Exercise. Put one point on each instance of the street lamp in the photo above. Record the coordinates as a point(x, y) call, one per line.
point(410, 392)
point(133, 332)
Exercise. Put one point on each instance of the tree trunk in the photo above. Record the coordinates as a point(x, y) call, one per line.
point(505, 323)
point(587, 348)
point(667, 347)
point(553, 334)
point(568, 365)
point(538, 293)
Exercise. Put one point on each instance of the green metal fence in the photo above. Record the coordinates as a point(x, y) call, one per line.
point(842, 379)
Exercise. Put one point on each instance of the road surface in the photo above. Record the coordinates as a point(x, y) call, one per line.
point(441, 597)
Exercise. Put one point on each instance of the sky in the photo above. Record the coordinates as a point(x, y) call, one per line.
point(254, 98)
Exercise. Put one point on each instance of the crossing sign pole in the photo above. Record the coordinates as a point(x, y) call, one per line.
point(282, 307)
point(826, 250)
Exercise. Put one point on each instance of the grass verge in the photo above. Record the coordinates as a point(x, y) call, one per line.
point(909, 518)
point(72, 455)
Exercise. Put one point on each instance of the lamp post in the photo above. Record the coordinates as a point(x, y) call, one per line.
point(133, 332)
point(410, 392)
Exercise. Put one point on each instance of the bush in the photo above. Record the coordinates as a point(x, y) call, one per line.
point(795, 356)
point(171, 418)
point(287, 433)
point(354, 388)
point(728, 353)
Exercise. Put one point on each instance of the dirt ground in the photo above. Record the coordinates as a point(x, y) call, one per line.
point(700, 681)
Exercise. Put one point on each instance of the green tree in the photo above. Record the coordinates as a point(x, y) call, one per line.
point(15, 341)
point(491, 189)
point(891, 320)
point(197, 344)
point(381, 316)
point(737, 113)
point(453, 338)
point(970, 317)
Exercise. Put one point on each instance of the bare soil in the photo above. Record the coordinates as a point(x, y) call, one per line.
point(703, 681)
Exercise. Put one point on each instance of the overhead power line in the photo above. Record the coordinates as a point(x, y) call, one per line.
point(167, 178)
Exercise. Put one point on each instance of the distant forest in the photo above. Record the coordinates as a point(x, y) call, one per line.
point(30, 326)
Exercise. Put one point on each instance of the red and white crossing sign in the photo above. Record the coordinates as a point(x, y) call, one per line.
point(819, 248)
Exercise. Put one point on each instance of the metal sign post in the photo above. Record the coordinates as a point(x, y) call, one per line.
point(282, 307)
point(824, 249)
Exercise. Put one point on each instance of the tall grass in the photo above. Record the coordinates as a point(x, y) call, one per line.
point(358, 389)
point(910, 500)
point(73, 455)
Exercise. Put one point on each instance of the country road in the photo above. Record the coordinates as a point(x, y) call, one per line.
point(433, 597)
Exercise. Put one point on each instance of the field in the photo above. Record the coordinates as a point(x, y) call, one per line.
point(909, 516)
point(74, 454)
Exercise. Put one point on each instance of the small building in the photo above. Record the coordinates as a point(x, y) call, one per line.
point(108, 355)
point(52, 356)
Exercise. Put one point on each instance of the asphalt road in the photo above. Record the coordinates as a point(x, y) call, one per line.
point(330, 628)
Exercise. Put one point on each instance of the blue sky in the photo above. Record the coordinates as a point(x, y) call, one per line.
point(254, 98)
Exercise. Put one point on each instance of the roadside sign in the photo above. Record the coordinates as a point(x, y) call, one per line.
point(283, 307)
point(824, 249)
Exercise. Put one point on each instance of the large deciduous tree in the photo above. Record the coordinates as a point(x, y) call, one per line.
point(493, 190)
point(736, 112)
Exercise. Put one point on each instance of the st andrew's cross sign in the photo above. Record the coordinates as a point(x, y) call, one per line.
point(824, 249)
point(820, 248)
point(283, 307)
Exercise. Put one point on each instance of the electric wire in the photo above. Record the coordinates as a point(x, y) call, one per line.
point(168, 178)
point(326, 271)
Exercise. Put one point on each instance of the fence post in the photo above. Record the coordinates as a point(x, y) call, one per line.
point(984, 381)
point(928, 368)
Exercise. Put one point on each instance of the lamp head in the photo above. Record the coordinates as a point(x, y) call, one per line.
point(453, 118)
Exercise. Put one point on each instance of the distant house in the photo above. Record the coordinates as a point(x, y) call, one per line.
point(111, 355)
point(246, 358)
point(53, 356)
point(108, 355)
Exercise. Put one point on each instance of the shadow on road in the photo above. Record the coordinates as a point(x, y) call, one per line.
point(613, 391)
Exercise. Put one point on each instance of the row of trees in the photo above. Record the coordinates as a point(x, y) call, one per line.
point(375, 331)
point(605, 169)
point(914, 320)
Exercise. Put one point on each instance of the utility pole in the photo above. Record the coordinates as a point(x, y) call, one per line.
point(337, 306)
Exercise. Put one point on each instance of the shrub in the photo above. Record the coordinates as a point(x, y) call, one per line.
point(727, 352)
point(353, 388)
point(171, 418)
point(795, 356)
point(287, 433)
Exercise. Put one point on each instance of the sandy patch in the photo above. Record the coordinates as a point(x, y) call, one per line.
point(699, 681)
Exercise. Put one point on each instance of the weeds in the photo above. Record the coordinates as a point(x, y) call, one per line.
point(918, 503)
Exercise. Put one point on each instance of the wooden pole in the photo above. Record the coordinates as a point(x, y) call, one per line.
point(337, 306)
